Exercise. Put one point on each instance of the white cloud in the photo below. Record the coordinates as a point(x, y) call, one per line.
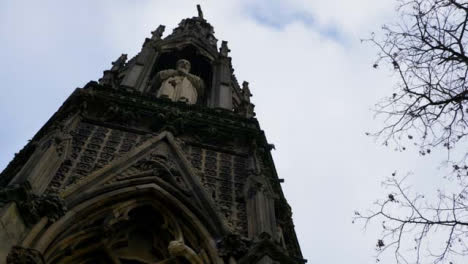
point(353, 17)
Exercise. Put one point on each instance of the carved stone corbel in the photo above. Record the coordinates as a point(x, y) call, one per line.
point(32, 207)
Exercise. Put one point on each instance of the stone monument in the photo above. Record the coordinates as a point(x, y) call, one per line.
point(179, 85)
point(162, 161)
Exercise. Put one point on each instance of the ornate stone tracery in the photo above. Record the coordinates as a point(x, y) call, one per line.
point(133, 229)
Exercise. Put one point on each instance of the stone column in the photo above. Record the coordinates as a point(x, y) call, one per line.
point(137, 76)
point(221, 95)
point(260, 206)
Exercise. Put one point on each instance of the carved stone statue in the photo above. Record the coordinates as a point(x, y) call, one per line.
point(157, 34)
point(246, 92)
point(110, 77)
point(224, 50)
point(119, 63)
point(179, 85)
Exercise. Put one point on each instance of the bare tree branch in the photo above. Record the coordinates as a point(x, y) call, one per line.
point(427, 52)
point(407, 225)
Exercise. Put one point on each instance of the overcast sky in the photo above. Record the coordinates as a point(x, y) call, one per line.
point(312, 82)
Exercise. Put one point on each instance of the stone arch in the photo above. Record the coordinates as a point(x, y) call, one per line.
point(133, 224)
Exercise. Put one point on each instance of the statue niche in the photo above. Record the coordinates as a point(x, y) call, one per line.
point(178, 85)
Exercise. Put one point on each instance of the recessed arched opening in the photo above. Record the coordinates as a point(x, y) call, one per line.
point(129, 227)
point(201, 66)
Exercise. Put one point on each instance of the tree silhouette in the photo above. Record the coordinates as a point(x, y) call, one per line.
point(426, 50)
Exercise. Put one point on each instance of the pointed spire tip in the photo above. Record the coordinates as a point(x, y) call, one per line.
point(200, 12)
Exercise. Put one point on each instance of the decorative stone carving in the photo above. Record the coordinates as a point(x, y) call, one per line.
point(223, 175)
point(94, 147)
point(50, 205)
point(232, 246)
point(58, 137)
point(179, 85)
point(119, 115)
point(224, 50)
point(157, 34)
point(246, 107)
point(115, 117)
point(196, 27)
point(246, 92)
point(119, 63)
point(177, 248)
point(110, 77)
point(20, 255)
point(31, 206)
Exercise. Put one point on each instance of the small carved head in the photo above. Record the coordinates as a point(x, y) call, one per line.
point(183, 65)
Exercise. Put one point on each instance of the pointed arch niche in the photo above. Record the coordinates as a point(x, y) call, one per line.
point(132, 225)
point(201, 65)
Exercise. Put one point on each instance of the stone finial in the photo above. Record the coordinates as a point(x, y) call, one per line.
point(200, 12)
point(119, 63)
point(157, 34)
point(109, 77)
point(224, 50)
point(247, 108)
point(246, 91)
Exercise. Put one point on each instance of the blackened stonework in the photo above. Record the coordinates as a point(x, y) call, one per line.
point(223, 175)
point(93, 147)
point(19, 255)
point(161, 161)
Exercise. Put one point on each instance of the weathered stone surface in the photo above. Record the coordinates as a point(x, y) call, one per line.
point(233, 246)
point(20, 255)
point(179, 85)
point(12, 228)
point(151, 164)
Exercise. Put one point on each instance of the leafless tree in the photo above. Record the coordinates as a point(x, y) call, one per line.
point(416, 230)
point(426, 51)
